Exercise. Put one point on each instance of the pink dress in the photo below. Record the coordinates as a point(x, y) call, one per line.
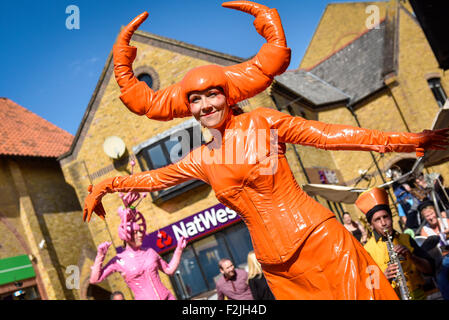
point(140, 268)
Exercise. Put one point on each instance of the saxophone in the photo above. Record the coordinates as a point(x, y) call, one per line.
point(400, 277)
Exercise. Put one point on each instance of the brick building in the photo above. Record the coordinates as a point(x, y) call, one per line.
point(383, 77)
point(41, 233)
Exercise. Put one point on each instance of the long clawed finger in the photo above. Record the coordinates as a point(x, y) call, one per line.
point(87, 214)
point(436, 147)
point(445, 130)
point(440, 141)
point(99, 210)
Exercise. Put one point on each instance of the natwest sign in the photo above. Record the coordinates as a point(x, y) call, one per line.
point(192, 227)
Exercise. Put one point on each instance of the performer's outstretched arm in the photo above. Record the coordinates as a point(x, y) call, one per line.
point(99, 273)
point(147, 181)
point(343, 137)
point(170, 268)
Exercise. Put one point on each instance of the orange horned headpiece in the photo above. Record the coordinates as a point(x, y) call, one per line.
point(371, 201)
point(238, 82)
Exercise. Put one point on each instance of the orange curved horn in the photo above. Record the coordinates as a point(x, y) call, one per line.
point(246, 6)
point(164, 104)
point(128, 31)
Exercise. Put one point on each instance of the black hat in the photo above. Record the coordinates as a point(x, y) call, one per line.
point(425, 204)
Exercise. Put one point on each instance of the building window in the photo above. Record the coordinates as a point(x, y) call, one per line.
point(198, 270)
point(438, 91)
point(145, 77)
point(167, 148)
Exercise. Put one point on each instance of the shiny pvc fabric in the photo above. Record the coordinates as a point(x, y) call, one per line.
point(331, 264)
point(249, 173)
point(140, 270)
point(239, 82)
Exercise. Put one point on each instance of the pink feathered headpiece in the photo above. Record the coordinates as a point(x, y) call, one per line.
point(131, 219)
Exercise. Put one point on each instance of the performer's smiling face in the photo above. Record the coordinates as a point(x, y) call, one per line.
point(209, 107)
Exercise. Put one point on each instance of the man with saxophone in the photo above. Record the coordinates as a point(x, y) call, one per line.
point(399, 257)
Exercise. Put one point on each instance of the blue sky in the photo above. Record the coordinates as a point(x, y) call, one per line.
point(53, 71)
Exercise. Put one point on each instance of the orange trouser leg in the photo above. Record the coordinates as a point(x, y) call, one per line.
point(330, 265)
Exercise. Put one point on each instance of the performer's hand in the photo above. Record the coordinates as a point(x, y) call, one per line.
point(391, 271)
point(403, 251)
point(93, 201)
point(431, 140)
point(103, 248)
point(182, 243)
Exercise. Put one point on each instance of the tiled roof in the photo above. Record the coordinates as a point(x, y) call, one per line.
point(352, 73)
point(357, 68)
point(311, 87)
point(23, 133)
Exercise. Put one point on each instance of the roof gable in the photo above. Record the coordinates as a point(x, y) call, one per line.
point(357, 69)
point(23, 133)
point(312, 88)
point(339, 24)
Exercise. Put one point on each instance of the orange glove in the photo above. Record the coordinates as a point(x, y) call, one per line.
point(93, 200)
point(386, 141)
point(344, 137)
point(431, 140)
point(146, 181)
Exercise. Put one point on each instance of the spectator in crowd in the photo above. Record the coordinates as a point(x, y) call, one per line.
point(416, 261)
point(437, 227)
point(434, 181)
point(433, 224)
point(256, 280)
point(234, 283)
point(117, 295)
point(355, 227)
point(407, 206)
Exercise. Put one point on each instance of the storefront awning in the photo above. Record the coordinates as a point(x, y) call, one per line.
point(15, 269)
point(333, 193)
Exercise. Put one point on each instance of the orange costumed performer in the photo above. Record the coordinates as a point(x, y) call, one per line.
point(304, 251)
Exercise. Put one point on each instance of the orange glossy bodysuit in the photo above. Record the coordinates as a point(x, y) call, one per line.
point(304, 251)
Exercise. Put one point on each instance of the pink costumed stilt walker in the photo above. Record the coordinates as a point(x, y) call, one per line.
point(138, 266)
